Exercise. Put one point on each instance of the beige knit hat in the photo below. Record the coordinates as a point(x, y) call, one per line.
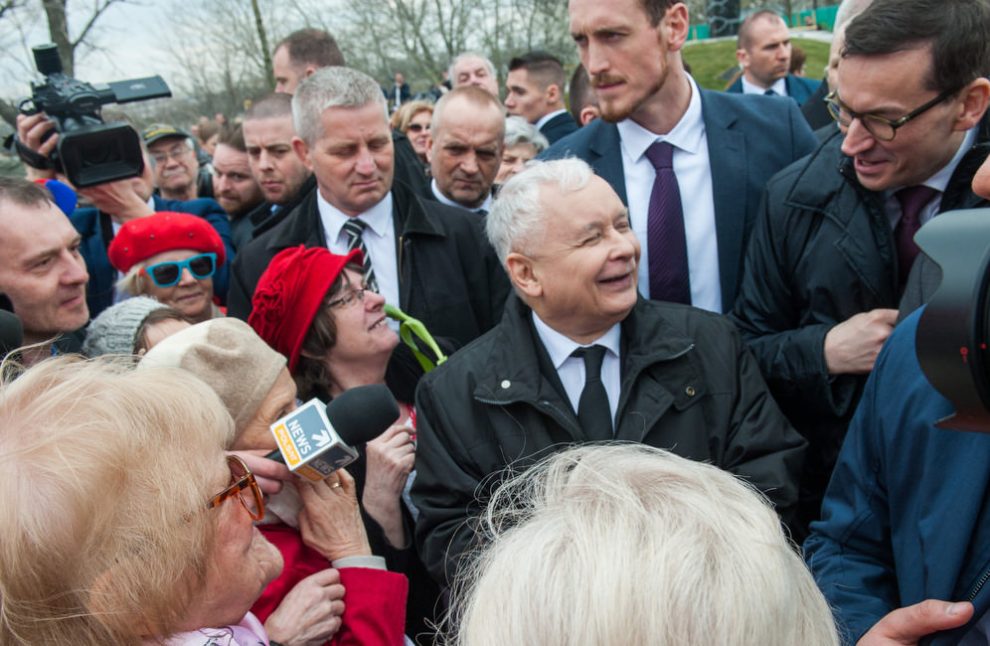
point(229, 356)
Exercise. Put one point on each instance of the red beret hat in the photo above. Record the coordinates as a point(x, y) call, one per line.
point(142, 238)
point(290, 293)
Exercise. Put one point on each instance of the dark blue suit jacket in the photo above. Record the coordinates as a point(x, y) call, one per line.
point(799, 88)
point(559, 127)
point(750, 138)
point(102, 275)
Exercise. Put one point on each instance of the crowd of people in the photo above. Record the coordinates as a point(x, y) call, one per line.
point(652, 348)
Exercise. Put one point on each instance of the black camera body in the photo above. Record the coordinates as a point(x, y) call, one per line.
point(89, 150)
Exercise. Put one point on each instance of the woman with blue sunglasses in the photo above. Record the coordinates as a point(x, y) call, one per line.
point(170, 257)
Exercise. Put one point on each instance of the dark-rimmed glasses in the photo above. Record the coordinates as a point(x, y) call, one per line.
point(169, 273)
point(244, 486)
point(881, 128)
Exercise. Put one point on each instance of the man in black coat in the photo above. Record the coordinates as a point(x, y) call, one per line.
point(431, 260)
point(833, 245)
point(579, 357)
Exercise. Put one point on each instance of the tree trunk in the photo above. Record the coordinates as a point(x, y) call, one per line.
point(58, 29)
point(266, 53)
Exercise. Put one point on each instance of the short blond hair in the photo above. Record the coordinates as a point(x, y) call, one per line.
point(631, 545)
point(104, 532)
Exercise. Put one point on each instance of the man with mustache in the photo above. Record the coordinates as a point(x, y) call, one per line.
point(465, 148)
point(429, 259)
point(690, 164)
point(580, 357)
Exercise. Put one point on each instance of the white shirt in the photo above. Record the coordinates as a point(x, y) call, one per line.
point(779, 86)
point(694, 179)
point(542, 121)
point(378, 237)
point(443, 199)
point(570, 369)
point(939, 181)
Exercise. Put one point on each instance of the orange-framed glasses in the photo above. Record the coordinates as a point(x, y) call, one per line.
point(244, 486)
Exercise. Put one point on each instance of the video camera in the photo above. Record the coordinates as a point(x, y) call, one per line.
point(89, 150)
point(954, 330)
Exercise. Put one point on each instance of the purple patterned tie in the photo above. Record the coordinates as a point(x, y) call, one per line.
point(913, 199)
point(665, 241)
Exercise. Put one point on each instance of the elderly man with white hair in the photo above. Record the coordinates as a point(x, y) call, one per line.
point(579, 357)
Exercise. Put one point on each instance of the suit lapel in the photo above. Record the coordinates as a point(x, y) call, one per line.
point(606, 156)
point(727, 158)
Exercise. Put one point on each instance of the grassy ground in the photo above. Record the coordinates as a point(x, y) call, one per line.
point(712, 63)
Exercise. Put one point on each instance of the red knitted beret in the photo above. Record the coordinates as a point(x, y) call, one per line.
point(142, 238)
point(291, 292)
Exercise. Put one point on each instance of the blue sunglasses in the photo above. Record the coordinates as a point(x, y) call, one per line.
point(169, 273)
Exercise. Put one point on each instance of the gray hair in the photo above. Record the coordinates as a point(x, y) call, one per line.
point(848, 10)
point(331, 87)
point(520, 131)
point(517, 216)
point(629, 544)
point(465, 55)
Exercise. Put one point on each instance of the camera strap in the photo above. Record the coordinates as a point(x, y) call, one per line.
point(30, 157)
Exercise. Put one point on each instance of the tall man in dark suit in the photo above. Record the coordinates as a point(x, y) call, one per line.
point(429, 259)
point(714, 151)
point(764, 54)
point(534, 90)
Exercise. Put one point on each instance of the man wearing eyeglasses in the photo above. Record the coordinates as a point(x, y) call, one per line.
point(833, 245)
point(175, 164)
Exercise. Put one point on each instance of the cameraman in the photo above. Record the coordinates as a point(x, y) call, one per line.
point(115, 203)
point(906, 518)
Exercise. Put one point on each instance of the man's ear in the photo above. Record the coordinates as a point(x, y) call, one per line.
point(975, 98)
point(429, 149)
point(742, 57)
point(523, 275)
point(553, 94)
point(310, 70)
point(302, 152)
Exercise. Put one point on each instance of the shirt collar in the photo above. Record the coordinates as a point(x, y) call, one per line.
point(940, 180)
point(560, 347)
point(686, 136)
point(779, 86)
point(542, 120)
point(378, 218)
point(443, 199)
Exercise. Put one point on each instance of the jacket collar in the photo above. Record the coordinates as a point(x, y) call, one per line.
point(514, 368)
point(303, 226)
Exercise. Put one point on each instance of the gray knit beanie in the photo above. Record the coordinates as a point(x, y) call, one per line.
point(115, 330)
point(229, 356)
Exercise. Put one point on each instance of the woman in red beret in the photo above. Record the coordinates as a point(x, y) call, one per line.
point(313, 307)
point(170, 257)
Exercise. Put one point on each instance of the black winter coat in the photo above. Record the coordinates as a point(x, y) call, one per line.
point(688, 385)
point(449, 276)
point(822, 251)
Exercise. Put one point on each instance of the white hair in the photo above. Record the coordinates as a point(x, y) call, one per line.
point(331, 87)
point(848, 10)
point(518, 214)
point(451, 71)
point(520, 131)
point(628, 544)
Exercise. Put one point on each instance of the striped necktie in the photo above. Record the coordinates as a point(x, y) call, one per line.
point(354, 228)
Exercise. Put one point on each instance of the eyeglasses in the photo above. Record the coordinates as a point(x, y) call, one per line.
point(880, 127)
point(244, 486)
point(418, 127)
point(175, 152)
point(349, 297)
point(169, 273)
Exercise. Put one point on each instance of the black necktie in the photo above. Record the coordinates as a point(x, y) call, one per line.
point(594, 413)
point(770, 92)
point(670, 276)
point(354, 228)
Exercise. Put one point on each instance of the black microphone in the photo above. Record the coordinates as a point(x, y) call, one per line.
point(357, 416)
point(11, 333)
